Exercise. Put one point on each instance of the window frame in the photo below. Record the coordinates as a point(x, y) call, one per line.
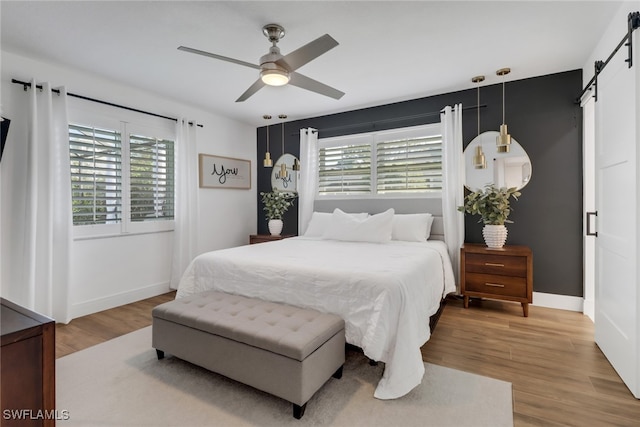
point(127, 123)
point(373, 138)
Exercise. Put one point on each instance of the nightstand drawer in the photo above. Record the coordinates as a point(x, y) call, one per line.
point(496, 285)
point(504, 265)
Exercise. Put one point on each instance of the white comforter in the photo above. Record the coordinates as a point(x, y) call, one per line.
point(384, 291)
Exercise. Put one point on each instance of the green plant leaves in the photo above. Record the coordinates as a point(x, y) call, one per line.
point(276, 203)
point(491, 203)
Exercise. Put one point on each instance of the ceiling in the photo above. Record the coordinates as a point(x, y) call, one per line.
point(389, 50)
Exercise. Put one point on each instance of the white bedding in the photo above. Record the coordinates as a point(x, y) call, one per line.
point(384, 291)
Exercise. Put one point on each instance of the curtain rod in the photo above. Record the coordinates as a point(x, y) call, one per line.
point(392, 120)
point(633, 23)
point(99, 101)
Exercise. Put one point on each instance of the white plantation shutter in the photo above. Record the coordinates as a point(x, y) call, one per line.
point(96, 175)
point(120, 178)
point(151, 178)
point(409, 165)
point(345, 169)
point(398, 161)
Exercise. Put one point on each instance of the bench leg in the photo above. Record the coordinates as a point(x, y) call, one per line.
point(338, 374)
point(298, 411)
point(160, 354)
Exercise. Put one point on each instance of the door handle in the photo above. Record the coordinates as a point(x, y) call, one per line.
point(589, 232)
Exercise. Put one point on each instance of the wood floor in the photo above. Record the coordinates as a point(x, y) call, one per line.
point(559, 376)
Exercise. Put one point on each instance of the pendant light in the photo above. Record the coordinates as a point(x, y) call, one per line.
point(267, 156)
point(503, 141)
point(479, 160)
point(283, 165)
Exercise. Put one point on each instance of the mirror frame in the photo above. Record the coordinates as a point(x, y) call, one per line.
point(500, 166)
point(290, 184)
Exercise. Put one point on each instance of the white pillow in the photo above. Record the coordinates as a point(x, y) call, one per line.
point(411, 227)
point(376, 228)
point(320, 220)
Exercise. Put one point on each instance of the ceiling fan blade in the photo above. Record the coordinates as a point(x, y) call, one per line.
point(223, 58)
point(308, 52)
point(256, 86)
point(304, 82)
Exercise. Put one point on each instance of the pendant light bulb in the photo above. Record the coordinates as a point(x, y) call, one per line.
point(479, 160)
point(267, 162)
point(503, 140)
point(283, 170)
point(296, 165)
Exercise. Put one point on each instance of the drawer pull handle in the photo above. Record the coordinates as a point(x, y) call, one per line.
point(495, 285)
point(493, 264)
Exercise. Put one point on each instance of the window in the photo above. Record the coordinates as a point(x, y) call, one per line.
point(96, 175)
point(402, 161)
point(122, 179)
point(345, 169)
point(151, 178)
point(409, 165)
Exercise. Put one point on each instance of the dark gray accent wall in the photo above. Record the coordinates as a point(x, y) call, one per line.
point(542, 116)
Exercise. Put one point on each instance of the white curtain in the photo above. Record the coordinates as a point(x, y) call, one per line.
point(36, 207)
point(308, 183)
point(453, 183)
point(186, 200)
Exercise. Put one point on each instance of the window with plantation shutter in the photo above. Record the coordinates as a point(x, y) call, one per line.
point(409, 165)
point(382, 164)
point(151, 178)
point(122, 179)
point(345, 169)
point(96, 175)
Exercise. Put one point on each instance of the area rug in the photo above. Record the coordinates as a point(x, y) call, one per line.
point(121, 383)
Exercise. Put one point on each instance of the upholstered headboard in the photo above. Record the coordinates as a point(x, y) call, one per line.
point(401, 206)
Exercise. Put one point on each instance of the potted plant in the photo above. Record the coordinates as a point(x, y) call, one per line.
point(493, 206)
point(276, 203)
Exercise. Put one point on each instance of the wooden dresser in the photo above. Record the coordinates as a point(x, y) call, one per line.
point(27, 360)
point(505, 274)
point(261, 238)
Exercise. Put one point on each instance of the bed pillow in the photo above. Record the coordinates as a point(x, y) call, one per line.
point(411, 227)
point(376, 228)
point(320, 220)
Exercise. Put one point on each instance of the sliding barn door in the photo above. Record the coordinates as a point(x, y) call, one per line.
point(617, 294)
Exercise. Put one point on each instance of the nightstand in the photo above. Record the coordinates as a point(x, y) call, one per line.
point(505, 274)
point(261, 238)
point(28, 364)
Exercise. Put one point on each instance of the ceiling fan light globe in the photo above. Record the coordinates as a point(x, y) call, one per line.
point(274, 77)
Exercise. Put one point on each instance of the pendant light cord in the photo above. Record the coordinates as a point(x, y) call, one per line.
point(503, 113)
point(478, 103)
point(478, 80)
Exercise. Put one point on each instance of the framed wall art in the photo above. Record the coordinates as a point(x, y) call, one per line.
point(224, 172)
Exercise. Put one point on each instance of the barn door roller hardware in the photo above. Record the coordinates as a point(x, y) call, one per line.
point(633, 23)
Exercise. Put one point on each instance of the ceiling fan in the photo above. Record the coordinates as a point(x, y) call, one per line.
point(278, 70)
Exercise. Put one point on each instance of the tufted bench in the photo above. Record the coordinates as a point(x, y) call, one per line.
point(287, 351)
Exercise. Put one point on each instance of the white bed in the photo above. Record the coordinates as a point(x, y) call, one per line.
point(386, 292)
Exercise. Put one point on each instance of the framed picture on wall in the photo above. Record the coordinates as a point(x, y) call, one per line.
point(224, 172)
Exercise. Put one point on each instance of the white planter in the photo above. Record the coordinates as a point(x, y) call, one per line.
point(494, 235)
point(275, 227)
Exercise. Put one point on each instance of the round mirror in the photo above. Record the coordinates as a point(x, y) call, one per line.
point(283, 177)
point(510, 169)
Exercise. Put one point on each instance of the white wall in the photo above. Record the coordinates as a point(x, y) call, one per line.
point(107, 272)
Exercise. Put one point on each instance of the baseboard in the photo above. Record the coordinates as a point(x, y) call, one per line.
point(562, 302)
point(111, 301)
point(589, 309)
